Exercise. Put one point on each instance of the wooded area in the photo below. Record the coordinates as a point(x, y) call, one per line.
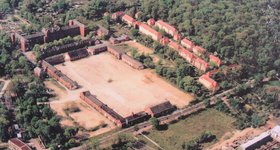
point(241, 33)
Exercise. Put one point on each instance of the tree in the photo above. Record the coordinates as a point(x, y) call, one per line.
point(60, 5)
point(188, 84)
point(4, 6)
point(38, 53)
point(135, 33)
point(96, 9)
point(257, 120)
point(70, 132)
point(155, 122)
point(4, 123)
point(95, 143)
point(192, 145)
point(5, 41)
point(206, 137)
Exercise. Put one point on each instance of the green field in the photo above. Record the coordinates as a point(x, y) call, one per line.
point(274, 83)
point(191, 127)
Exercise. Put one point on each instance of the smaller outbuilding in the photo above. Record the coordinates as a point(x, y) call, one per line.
point(161, 109)
point(17, 144)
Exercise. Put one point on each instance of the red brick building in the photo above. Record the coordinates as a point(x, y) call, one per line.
point(132, 62)
point(28, 41)
point(136, 24)
point(187, 55)
point(38, 72)
point(93, 50)
point(117, 15)
point(164, 41)
point(208, 82)
point(56, 33)
point(83, 28)
point(166, 27)
point(151, 22)
point(147, 30)
point(102, 108)
point(128, 19)
point(115, 51)
point(120, 39)
point(59, 76)
point(101, 32)
point(136, 118)
point(76, 54)
point(201, 64)
point(67, 47)
point(160, 109)
point(216, 60)
point(17, 144)
point(56, 59)
point(198, 50)
point(49, 34)
point(175, 45)
point(187, 43)
point(177, 37)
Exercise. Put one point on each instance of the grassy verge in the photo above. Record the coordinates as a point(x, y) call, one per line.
point(190, 128)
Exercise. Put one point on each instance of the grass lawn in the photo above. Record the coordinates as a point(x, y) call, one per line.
point(191, 127)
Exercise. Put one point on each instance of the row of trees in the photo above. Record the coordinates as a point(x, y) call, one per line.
point(5, 51)
point(176, 70)
point(5, 123)
point(7, 5)
point(37, 49)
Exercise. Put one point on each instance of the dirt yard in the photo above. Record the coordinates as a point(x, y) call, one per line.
point(140, 48)
point(87, 117)
point(121, 87)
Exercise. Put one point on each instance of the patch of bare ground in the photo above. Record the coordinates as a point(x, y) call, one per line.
point(121, 87)
point(239, 137)
point(75, 112)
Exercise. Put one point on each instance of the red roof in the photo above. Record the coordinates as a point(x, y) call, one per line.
point(201, 49)
point(215, 59)
point(168, 26)
point(151, 21)
point(20, 144)
point(164, 40)
point(151, 30)
point(210, 80)
point(174, 45)
point(177, 37)
point(187, 41)
point(128, 18)
point(191, 55)
point(202, 62)
point(137, 23)
point(117, 14)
